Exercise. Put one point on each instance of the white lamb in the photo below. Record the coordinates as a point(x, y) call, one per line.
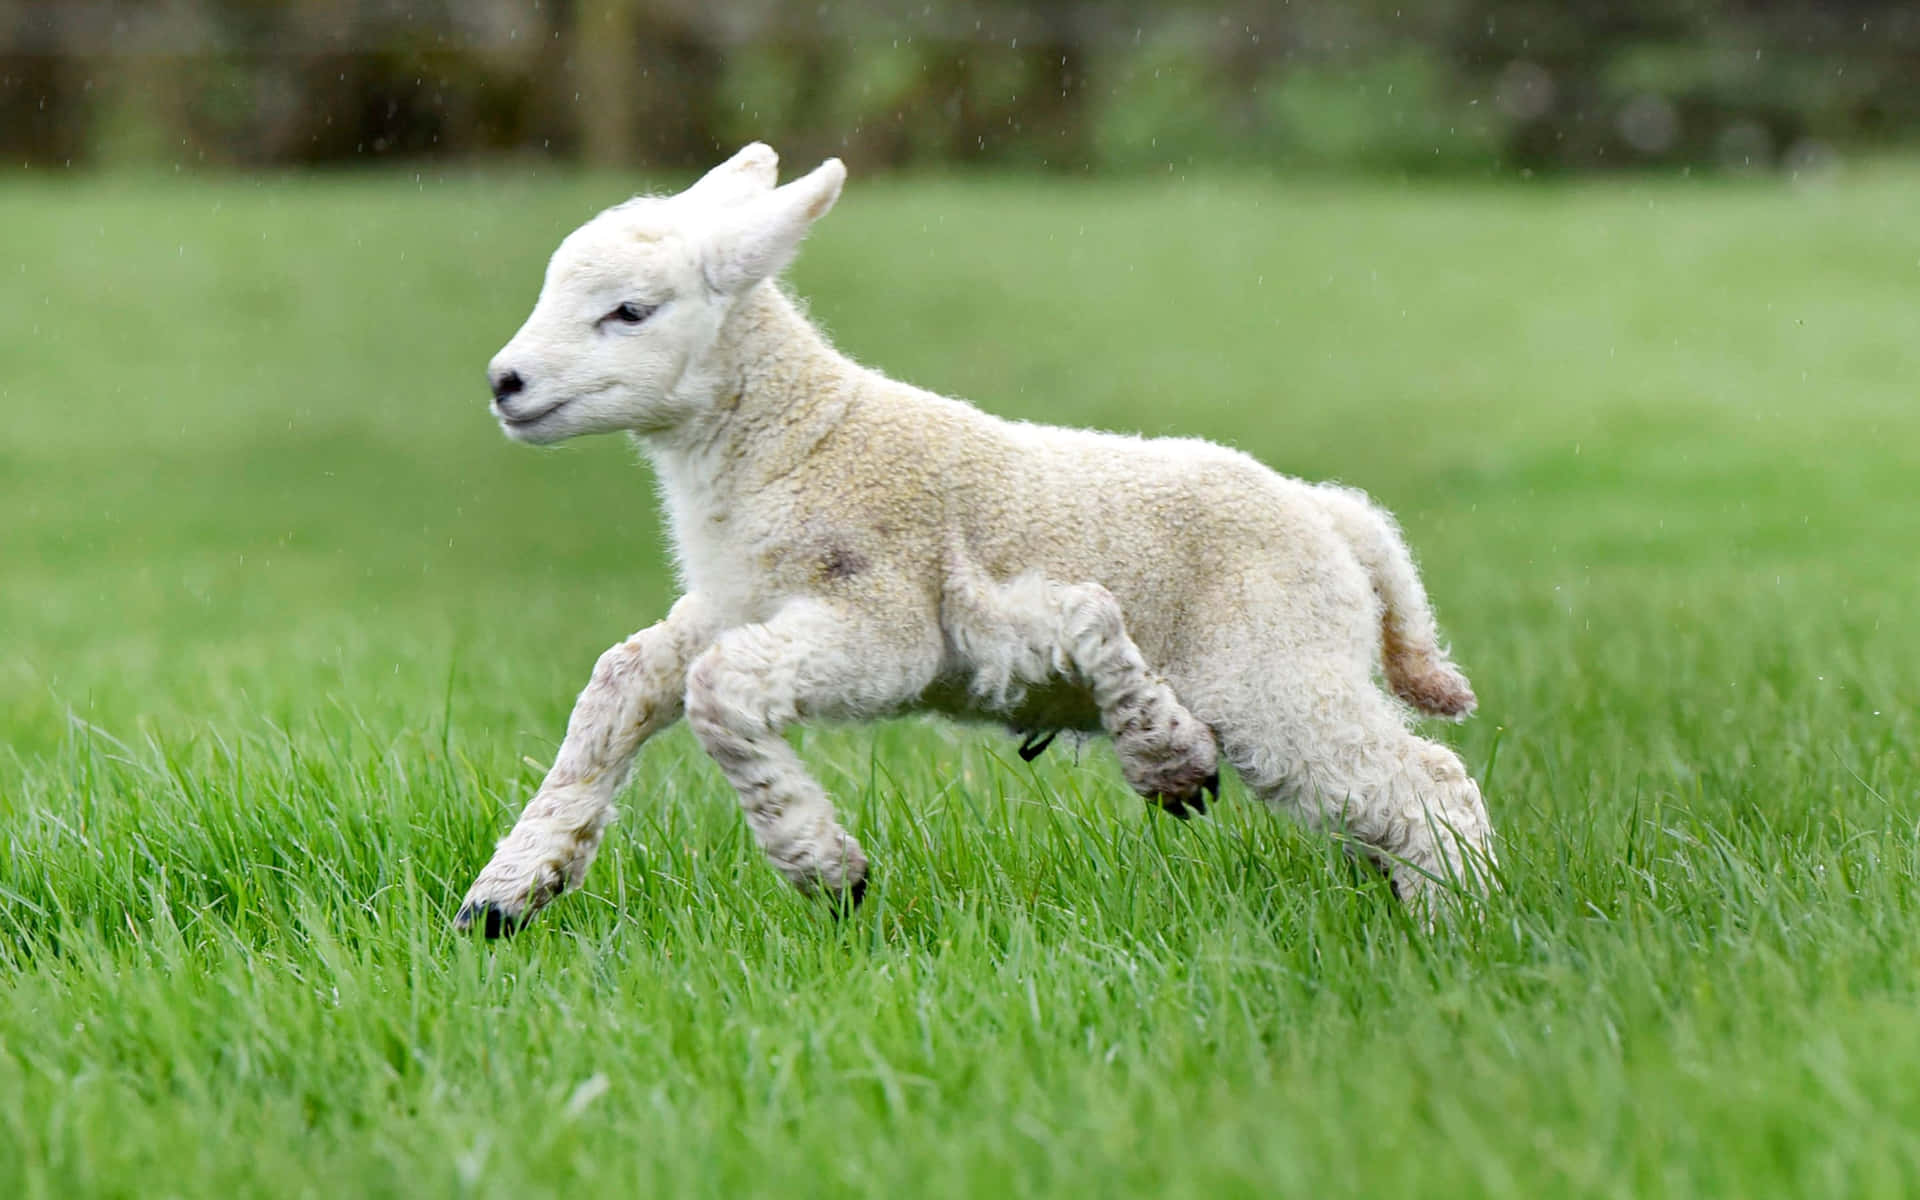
point(853, 547)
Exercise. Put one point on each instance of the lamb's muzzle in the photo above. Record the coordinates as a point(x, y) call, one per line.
point(853, 547)
point(505, 384)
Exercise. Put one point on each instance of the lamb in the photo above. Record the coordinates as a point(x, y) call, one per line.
point(853, 547)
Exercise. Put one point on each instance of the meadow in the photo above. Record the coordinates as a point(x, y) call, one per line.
point(287, 631)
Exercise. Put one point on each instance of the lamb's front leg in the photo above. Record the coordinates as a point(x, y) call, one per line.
point(637, 690)
point(1030, 629)
point(812, 659)
point(1166, 753)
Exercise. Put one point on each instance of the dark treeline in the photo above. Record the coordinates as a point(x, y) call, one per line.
point(1443, 85)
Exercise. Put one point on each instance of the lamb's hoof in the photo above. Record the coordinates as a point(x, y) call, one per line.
point(1184, 807)
point(1183, 810)
point(1173, 762)
point(494, 921)
point(844, 901)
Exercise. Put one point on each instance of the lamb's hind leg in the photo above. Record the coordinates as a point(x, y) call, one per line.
point(810, 660)
point(636, 690)
point(1031, 630)
point(1344, 761)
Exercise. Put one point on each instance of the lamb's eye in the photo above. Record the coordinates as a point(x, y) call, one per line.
point(631, 313)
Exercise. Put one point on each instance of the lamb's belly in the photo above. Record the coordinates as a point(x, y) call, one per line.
point(1057, 705)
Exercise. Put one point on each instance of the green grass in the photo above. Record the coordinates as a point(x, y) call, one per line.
point(286, 629)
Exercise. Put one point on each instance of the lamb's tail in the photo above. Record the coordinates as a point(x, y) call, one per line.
point(1417, 667)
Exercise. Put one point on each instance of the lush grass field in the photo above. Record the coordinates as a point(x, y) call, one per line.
point(286, 630)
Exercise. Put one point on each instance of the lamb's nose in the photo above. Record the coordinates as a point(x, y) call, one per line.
point(505, 384)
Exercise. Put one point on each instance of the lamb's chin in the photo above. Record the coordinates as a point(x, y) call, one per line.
point(554, 426)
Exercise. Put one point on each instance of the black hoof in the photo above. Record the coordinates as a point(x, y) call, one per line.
point(847, 899)
point(1180, 809)
point(494, 921)
point(1184, 807)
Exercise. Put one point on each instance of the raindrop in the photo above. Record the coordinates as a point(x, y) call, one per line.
point(1744, 145)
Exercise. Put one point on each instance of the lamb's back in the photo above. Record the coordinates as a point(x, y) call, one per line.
point(1160, 522)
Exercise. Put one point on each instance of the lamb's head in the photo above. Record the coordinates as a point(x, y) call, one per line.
point(624, 331)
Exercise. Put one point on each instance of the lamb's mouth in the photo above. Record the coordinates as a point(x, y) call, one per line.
point(522, 422)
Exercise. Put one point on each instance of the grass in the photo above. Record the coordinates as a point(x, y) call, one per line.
point(288, 629)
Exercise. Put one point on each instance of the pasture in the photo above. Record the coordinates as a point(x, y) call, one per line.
point(287, 631)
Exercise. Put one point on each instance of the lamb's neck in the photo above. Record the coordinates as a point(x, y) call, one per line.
point(774, 391)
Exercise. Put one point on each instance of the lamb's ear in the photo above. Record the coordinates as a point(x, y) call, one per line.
point(753, 241)
point(751, 172)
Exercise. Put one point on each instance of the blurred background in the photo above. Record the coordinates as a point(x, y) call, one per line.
point(1462, 86)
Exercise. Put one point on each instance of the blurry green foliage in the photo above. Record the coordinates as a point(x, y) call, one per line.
point(1455, 86)
point(1400, 111)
